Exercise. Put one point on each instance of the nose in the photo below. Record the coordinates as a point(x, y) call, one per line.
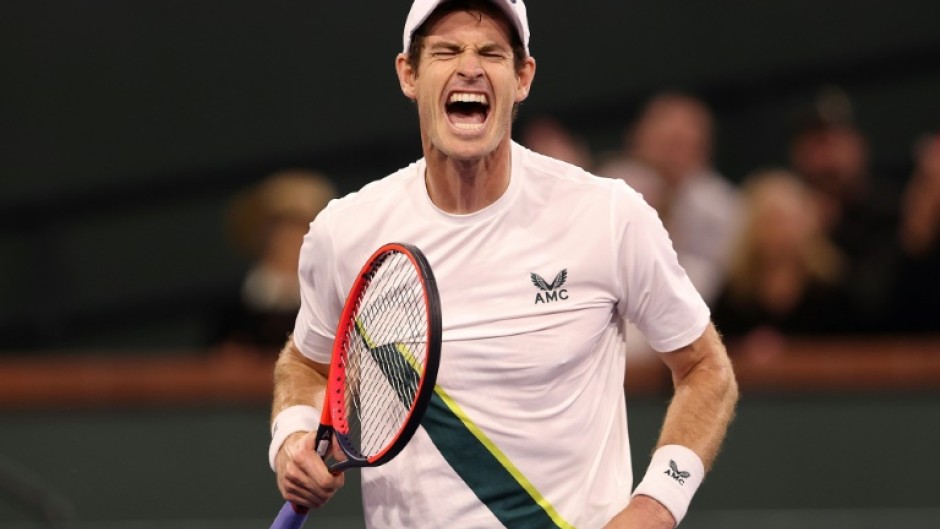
point(470, 67)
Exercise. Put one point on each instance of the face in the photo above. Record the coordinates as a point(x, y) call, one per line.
point(831, 159)
point(783, 217)
point(466, 85)
point(674, 138)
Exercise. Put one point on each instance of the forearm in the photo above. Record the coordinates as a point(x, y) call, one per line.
point(297, 381)
point(299, 386)
point(693, 430)
point(302, 477)
point(703, 404)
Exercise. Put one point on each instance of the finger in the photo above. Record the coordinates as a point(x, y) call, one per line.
point(303, 489)
point(309, 441)
point(289, 450)
point(307, 471)
point(316, 471)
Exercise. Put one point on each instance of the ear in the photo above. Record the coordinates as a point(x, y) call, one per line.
point(524, 79)
point(406, 76)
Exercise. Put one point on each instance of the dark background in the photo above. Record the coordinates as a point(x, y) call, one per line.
point(127, 126)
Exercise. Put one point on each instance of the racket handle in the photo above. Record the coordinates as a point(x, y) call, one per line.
point(290, 517)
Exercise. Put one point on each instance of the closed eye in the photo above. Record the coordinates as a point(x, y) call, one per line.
point(444, 50)
point(493, 52)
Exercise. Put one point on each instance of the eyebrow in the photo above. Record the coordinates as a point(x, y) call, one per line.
point(444, 45)
point(453, 46)
point(491, 47)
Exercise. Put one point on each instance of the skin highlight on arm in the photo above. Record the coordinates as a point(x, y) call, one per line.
point(702, 407)
point(706, 393)
point(297, 380)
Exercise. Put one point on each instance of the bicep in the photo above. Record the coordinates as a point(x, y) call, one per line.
point(298, 357)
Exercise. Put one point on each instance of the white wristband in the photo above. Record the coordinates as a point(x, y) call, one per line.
point(674, 475)
point(289, 420)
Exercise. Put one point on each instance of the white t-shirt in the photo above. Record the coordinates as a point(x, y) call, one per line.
point(528, 424)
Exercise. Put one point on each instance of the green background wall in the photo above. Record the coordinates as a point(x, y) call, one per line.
point(824, 461)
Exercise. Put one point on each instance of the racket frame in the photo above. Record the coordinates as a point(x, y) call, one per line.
point(333, 405)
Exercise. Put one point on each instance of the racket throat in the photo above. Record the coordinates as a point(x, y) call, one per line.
point(324, 433)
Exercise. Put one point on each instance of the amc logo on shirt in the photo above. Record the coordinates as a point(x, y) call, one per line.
point(549, 293)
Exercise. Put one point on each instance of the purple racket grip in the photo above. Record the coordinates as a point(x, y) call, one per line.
point(289, 518)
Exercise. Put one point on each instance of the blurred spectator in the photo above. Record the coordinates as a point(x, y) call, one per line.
point(857, 210)
point(785, 276)
point(918, 307)
point(546, 135)
point(920, 224)
point(668, 158)
point(267, 223)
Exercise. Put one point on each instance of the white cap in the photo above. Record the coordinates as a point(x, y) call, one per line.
point(422, 9)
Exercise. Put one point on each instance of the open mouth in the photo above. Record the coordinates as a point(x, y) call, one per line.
point(467, 111)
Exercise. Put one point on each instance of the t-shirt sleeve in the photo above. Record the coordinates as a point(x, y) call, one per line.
point(655, 291)
point(320, 302)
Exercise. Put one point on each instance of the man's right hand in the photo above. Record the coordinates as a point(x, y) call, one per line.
point(302, 477)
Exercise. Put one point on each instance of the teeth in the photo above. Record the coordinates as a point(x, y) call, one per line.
point(463, 97)
point(469, 126)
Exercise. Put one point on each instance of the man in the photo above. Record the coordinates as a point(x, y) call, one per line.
point(537, 262)
point(858, 210)
point(667, 156)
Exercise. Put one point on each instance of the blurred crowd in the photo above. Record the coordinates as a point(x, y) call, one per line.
point(817, 246)
point(267, 223)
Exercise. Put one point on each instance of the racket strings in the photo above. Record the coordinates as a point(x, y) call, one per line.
point(386, 352)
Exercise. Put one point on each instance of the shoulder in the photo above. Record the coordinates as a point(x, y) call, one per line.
point(712, 188)
point(355, 211)
point(562, 177)
point(348, 215)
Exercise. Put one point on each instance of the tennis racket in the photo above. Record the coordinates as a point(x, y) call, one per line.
point(384, 364)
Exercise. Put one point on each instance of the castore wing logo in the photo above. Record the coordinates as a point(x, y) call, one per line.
point(550, 292)
point(676, 474)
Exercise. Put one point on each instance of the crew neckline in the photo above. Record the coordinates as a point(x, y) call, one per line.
point(498, 206)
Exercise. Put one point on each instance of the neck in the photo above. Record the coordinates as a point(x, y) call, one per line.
point(466, 186)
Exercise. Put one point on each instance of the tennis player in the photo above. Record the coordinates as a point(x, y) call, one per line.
point(538, 263)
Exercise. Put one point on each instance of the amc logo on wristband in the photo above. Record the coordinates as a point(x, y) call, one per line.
point(676, 474)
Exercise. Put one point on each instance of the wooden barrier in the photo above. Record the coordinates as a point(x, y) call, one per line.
point(838, 365)
point(192, 378)
point(90, 380)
